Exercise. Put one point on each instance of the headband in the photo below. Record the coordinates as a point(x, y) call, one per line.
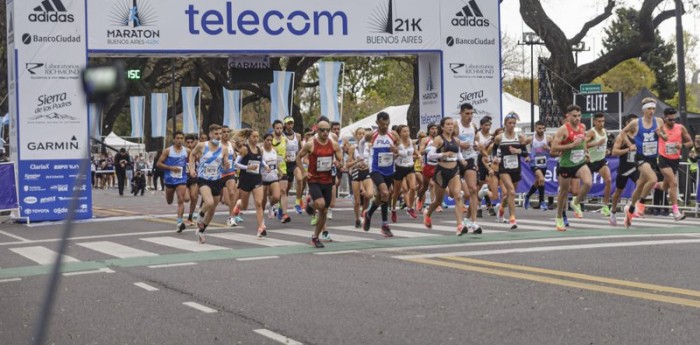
point(649, 105)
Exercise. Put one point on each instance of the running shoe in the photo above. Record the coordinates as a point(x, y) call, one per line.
point(180, 227)
point(577, 208)
point(605, 211)
point(231, 222)
point(628, 217)
point(189, 222)
point(678, 216)
point(492, 212)
point(238, 219)
point(438, 209)
point(297, 208)
point(262, 232)
point(544, 206)
point(426, 220)
point(560, 224)
point(199, 234)
point(501, 215)
point(639, 210)
point(566, 220)
point(411, 213)
point(279, 212)
point(316, 242)
point(326, 236)
point(483, 191)
point(479, 213)
point(358, 224)
point(613, 219)
point(286, 219)
point(476, 229)
point(526, 204)
point(314, 220)
point(271, 212)
point(419, 204)
point(513, 223)
point(394, 217)
point(195, 218)
point(366, 220)
point(462, 229)
point(309, 209)
point(386, 231)
point(329, 215)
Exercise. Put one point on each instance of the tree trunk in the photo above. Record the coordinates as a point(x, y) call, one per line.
point(413, 114)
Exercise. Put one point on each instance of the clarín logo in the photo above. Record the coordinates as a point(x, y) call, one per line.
point(51, 11)
point(470, 15)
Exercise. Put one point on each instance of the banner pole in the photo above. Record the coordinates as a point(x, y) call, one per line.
point(199, 109)
point(342, 94)
point(291, 96)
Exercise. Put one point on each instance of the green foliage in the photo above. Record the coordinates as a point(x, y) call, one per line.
point(520, 87)
point(630, 77)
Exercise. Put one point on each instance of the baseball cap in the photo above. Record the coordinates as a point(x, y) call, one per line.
point(288, 119)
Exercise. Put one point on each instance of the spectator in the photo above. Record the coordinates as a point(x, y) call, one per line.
point(157, 173)
point(138, 183)
point(123, 161)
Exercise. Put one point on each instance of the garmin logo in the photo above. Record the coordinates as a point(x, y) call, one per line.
point(248, 22)
point(54, 145)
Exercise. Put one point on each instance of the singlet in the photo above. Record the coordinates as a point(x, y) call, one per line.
point(360, 153)
point(405, 161)
point(232, 169)
point(484, 141)
point(675, 136)
point(291, 147)
point(254, 159)
point(628, 163)
point(178, 159)
point(509, 161)
point(449, 146)
point(281, 148)
point(381, 157)
point(597, 153)
point(467, 134)
point(271, 158)
point(577, 155)
point(321, 162)
point(210, 163)
point(428, 148)
point(539, 154)
point(646, 140)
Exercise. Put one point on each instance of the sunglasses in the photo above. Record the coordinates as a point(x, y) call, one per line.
point(324, 129)
point(671, 119)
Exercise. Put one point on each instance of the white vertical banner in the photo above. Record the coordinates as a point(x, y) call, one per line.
point(159, 114)
point(232, 109)
point(430, 89)
point(190, 122)
point(95, 115)
point(328, 75)
point(281, 95)
point(137, 108)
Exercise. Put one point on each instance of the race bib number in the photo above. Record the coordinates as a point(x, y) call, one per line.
point(510, 162)
point(671, 149)
point(577, 156)
point(253, 167)
point(630, 156)
point(324, 163)
point(541, 161)
point(291, 156)
point(405, 161)
point(176, 174)
point(211, 171)
point(385, 159)
point(650, 148)
point(601, 148)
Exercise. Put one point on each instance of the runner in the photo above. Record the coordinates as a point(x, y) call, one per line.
point(293, 171)
point(670, 157)
point(446, 150)
point(251, 164)
point(418, 165)
point(270, 178)
point(358, 165)
point(569, 141)
point(337, 173)
point(597, 144)
point(627, 168)
point(488, 187)
point(428, 167)
point(511, 146)
point(382, 150)
point(174, 162)
point(229, 177)
point(646, 132)
point(279, 142)
point(193, 188)
point(405, 173)
point(538, 163)
point(320, 152)
point(468, 166)
point(213, 159)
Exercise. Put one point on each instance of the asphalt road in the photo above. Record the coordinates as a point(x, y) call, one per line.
point(131, 279)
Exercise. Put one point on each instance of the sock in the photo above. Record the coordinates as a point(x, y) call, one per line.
point(190, 216)
point(385, 212)
point(373, 207)
point(632, 209)
point(675, 208)
point(179, 220)
point(488, 201)
point(532, 191)
point(298, 202)
point(540, 190)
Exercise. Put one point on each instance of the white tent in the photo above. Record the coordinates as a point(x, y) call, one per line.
point(117, 142)
point(521, 107)
point(397, 116)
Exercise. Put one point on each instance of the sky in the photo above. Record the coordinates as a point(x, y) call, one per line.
point(571, 15)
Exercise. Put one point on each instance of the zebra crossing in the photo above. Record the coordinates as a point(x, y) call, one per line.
point(228, 238)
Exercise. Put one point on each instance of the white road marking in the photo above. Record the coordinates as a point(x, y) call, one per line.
point(41, 255)
point(574, 224)
point(250, 239)
point(258, 258)
point(10, 280)
point(444, 228)
point(338, 252)
point(14, 236)
point(116, 249)
point(374, 230)
point(173, 265)
point(200, 307)
point(101, 270)
point(146, 286)
point(336, 237)
point(276, 337)
point(586, 222)
point(189, 245)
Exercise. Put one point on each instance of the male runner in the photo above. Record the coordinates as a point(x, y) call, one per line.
point(279, 142)
point(228, 176)
point(293, 171)
point(382, 152)
point(193, 188)
point(538, 163)
point(467, 134)
point(597, 144)
point(626, 170)
point(670, 156)
point(173, 162)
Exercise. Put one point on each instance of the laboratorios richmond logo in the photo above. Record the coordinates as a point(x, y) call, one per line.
point(133, 22)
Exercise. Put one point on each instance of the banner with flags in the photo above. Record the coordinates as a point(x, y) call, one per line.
point(232, 109)
point(159, 114)
point(95, 118)
point(137, 109)
point(5, 120)
point(281, 95)
point(189, 112)
point(328, 74)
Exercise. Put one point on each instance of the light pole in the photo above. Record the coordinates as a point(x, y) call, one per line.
point(531, 39)
point(680, 54)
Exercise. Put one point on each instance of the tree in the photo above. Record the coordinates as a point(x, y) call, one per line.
point(520, 87)
point(630, 77)
point(4, 102)
point(561, 60)
point(660, 59)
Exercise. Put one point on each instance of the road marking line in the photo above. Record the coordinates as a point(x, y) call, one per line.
point(100, 270)
point(562, 282)
point(200, 307)
point(575, 223)
point(41, 255)
point(338, 252)
point(258, 258)
point(14, 236)
point(173, 265)
point(179, 243)
point(276, 337)
point(116, 249)
point(250, 239)
point(578, 224)
point(397, 233)
point(553, 248)
point(443, 228)
point(336, 237)
point(580, 276)
point(146, 287)
point(10, 280)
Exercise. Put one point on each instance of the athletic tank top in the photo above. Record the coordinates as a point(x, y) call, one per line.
point(597, 153)
point(509, 161)
point(628, 163)
point(232, 169)
point(646, 140)
point(405, 161)
point(381, 157)
point(467, 134)
point(675, 136)
point(281, 148)
point(449, 146)
point(271, 158)
point(178, 159)
point(210, 163)
point(540, 152)
point(577, 155)
point(291, 148)
point(254, 159)
point(321, 163)
point(428, 147)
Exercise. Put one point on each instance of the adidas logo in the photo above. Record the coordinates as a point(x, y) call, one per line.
point(470, 15)
point(51, 11)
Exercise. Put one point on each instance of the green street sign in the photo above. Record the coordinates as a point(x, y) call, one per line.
point(591, 88)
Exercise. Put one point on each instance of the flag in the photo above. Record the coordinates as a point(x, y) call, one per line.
point(137, 108)
point(280, 95)
point(5, 119)
point(232, 108)
point(189, 113)
point(328, 74)
point(159, 114)
point(95, 118)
